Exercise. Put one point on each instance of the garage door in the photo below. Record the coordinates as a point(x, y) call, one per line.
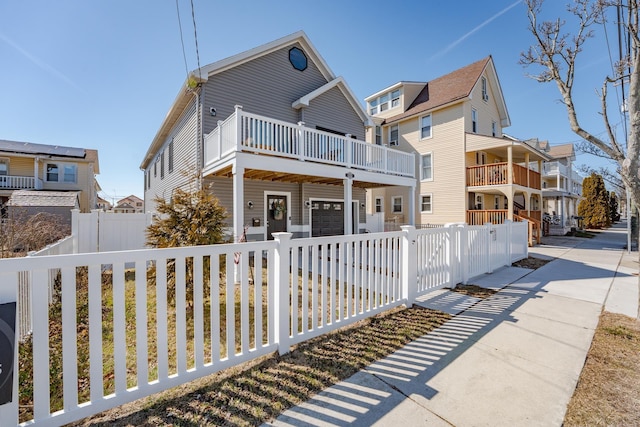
point(327, 218)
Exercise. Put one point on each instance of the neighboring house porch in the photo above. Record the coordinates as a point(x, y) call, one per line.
point(503, 182)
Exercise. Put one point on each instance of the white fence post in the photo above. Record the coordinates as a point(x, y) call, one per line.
point(489, 236)
point(9, 349)
point(75, 229)
point(508, 224)
point(281, 283)
point(463, 250)
point(409, 265)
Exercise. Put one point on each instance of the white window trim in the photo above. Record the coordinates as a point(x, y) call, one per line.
point(373, 110)
point(494, 128)
point(430, 127)
point(430, 195)
point(397, 141)
point(376, 205)
point(430, 153)
point(393, 198)
point(474, 119)
point(484, 89)
point(61, 166)
point(7, 161)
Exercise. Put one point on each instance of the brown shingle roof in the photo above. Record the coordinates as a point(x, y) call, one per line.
point(443, 90)
point(26, 198)
point(563, 150)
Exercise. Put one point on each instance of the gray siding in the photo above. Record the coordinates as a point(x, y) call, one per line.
point(267, 85)
point(184, 159)
point(331, 110)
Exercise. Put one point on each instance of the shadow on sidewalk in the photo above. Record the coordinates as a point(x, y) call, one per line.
point(380, 388)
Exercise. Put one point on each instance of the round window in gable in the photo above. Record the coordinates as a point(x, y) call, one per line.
point(298, 59)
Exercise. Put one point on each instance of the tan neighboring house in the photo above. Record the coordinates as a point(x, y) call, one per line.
point(467, 170)
point(39, 168)
point(129, 204)
point(102, 204)
point(561, 189)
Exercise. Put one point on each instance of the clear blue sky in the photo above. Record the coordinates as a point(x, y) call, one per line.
point(103, 73)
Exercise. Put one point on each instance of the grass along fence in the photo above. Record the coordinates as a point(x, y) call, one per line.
point(124, 325)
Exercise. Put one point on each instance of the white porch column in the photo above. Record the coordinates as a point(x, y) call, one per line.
point(526, 162)
point(238, 201)
point(412, 206)
point(348, 204)
point(510, 165)
point(510, 204)
point(562, 212)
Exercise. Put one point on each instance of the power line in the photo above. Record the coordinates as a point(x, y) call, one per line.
point(195, 35)
point(184, 55)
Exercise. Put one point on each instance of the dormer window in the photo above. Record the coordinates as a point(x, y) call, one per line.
point(385, 102)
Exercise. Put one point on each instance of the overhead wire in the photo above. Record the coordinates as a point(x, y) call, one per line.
point(184, 54)
point(195, 36)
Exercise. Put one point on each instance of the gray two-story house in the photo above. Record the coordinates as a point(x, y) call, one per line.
point(279, 139)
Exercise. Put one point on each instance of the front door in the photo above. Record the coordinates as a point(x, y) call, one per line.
point(277, 215)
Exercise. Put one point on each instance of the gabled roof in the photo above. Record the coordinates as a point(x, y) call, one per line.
point(453, 87)
point(562, 151)
point(204, 73)
point(339, 82)
point(25, 198)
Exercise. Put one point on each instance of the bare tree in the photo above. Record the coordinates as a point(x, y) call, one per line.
point(556, 52)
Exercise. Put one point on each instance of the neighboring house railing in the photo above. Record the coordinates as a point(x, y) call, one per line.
point(254, 133)
point(240, 301)
point(555, 168)
point(17, 182)
point(497, 174)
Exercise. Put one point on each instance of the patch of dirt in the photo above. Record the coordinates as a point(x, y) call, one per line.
point(608, 390)
point(474, 291)
point(531, 262)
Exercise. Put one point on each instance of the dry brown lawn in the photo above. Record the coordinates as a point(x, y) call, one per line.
point(608, 391)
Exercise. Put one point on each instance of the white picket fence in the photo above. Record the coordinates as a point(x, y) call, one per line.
point(224, 313)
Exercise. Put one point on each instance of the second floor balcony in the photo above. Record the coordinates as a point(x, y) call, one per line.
point(12, 182)
point(498, 174)
point(252, 133)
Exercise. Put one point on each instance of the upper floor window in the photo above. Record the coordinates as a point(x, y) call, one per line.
point(396, 204)
point(298, 59)
point(425, 127)
point(426, 169)
point(426, 203)
point(393, 135)
point(474, 120)
point(4, 166)
point(485, 92)
point(379, 206)
point(378, 135)
point(385, 102)
point(171, 157)
point(494, 128)
point(162, 165)
point(61, 173)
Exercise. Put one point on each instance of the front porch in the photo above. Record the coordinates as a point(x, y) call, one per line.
point(258, 153)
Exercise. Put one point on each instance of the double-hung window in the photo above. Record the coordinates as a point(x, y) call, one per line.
point(425, 127)
point(395, 98)
point(426, 167)
point(384, 102)
point(393, 135)
point(494, 128)
point(426, 203)
point(374, 106)
point(4, 167)
point(485, 92)
point(162, 165)
point(379, 206)
point(378, 135)
point(61, 173)
point(474, 120)
point(70, 173)
point(171, 157)
point(396, 204)
point(52, 172)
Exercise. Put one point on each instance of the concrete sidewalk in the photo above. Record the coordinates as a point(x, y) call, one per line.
point(511, 359)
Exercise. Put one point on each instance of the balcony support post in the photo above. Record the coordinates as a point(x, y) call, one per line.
point(348, 204)
point(412, 205)
point(301, 144)
point(238, 201)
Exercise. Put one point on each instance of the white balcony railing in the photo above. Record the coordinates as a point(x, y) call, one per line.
point(555, 168)
point(17, 182)
point(248, 132)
